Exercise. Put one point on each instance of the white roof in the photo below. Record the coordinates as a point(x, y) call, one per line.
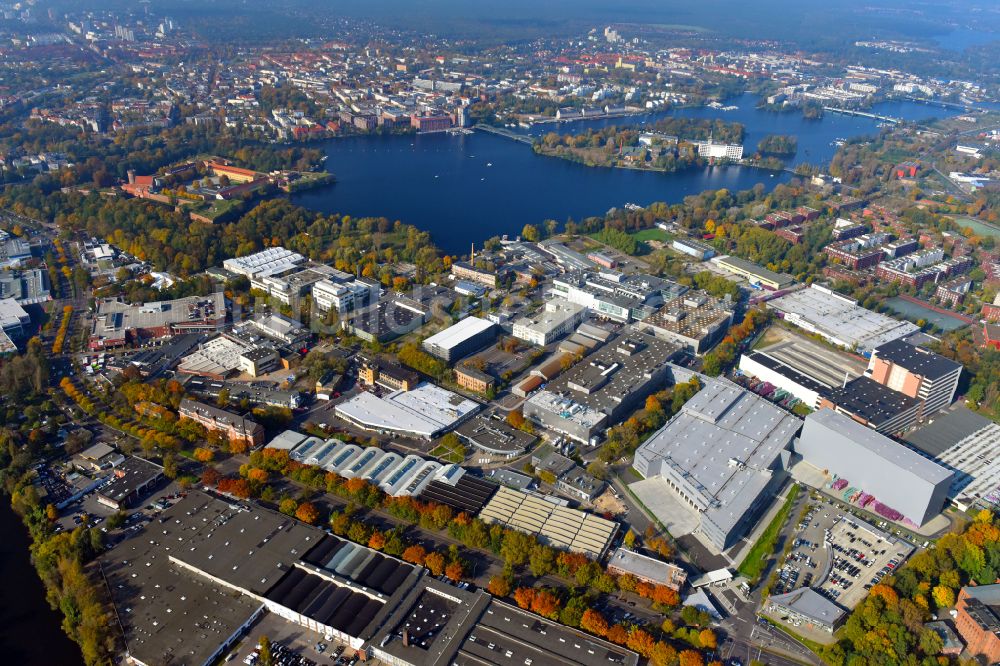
point(457, 334)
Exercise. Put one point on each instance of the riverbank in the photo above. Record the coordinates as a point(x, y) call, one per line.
point(32, 632)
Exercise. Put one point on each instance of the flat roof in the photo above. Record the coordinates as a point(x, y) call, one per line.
point(557, 526)
point(469, 494)
point(647, 567)
point(458, 333)
point(870, 400)
point(494, 434)
point(810, 604)
point(130, 475)
point(721, 447)
point(823, 365)
point(839, 318)
point(947, 430)
point(917, 360)
point(748, 267)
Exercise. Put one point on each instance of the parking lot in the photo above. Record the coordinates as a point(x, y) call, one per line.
point(297, 645)
point(839, 555)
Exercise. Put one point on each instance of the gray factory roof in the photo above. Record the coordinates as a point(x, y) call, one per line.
point(839, 319)
point(811, 604)
point(722, 445)
point(894, 453)
point(169, 615)
point(494, 435)
point(603, 380)
point(916, 359)
point(947, 430)
point(788, 371)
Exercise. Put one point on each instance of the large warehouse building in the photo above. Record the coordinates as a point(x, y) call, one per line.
point(457, 341)
point(604, 387)
point(226, 566)
point(427, 411)
point(969, 444)
point(898, 477)
point(554, 525)
point(839, 319)
point(721, 459)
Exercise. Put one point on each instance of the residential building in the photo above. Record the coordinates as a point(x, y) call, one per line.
point(236, 428)
point(978, 621)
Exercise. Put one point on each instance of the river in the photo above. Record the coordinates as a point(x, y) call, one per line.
point(466, 188)
point(32, 633)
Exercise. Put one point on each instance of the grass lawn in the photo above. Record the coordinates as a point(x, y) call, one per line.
point(756, 559)
point(653, 234)
point(446, 454)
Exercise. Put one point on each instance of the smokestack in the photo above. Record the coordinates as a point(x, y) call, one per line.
point(131, 176)
point(472, 256)
point(406, 638)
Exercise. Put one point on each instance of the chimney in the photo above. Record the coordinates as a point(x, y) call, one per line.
point(406, 638)
point(472, 257)
point(131, 176)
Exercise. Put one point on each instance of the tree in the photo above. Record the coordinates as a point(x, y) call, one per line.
point(515, 547)
point(662, 654)
point(691, 658)
point(593, 622)
point(541, 560)
point(204, 455)
point(707, 639)
point(455, 570)
point(944, 596)
point(640, 641)
point(499, 586)
point(415, 554)
point(546, 604)
point(51, 512)
point(530, 233)
point(307, 513)
point(376, 540)
point(523, 596)
point(265, 651)
point(435, 562)
point(288, 506)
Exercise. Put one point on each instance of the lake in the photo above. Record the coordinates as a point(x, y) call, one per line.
point(959, 40)
point(914, 311)
point(466, 188)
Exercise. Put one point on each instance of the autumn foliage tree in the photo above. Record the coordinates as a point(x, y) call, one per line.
point(435, 562)
point(499, 586)
point(307, 513)
point(415, 554)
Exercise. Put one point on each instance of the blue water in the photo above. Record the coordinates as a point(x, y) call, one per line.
point(466, 188)
point(959, 40)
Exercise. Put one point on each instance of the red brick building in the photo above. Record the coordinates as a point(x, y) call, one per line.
point(978, 620)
